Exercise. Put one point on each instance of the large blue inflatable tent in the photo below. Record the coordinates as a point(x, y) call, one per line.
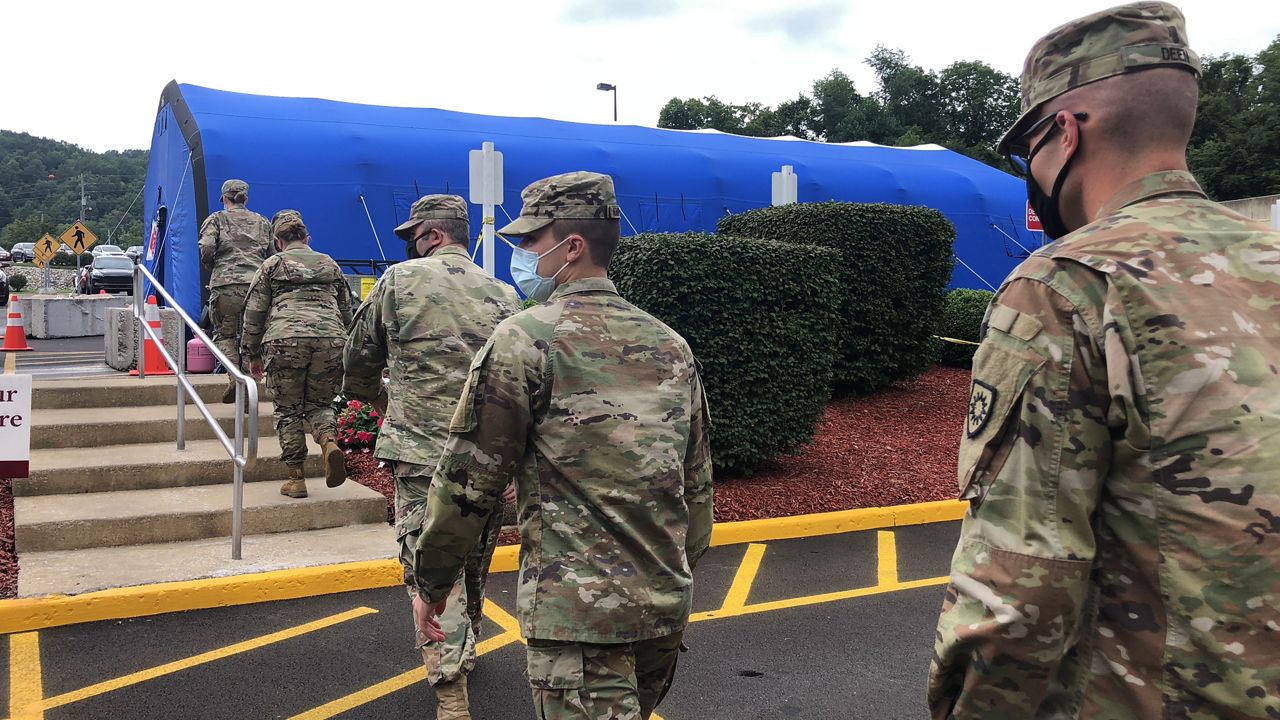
point(354, 170)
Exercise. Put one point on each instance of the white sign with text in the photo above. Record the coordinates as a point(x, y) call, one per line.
point(15, 426)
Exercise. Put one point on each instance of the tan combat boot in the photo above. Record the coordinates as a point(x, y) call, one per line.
point(229, 395)
point(295, 486)
point(335, 464)
point(451, 700)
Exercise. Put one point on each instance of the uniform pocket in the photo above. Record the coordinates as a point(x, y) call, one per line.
point(464, 415)
point(1002, 368)
point(555, 667)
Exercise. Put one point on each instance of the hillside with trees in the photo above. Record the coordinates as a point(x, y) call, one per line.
point(40, 189)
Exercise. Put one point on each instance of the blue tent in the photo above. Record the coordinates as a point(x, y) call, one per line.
point(354, 170)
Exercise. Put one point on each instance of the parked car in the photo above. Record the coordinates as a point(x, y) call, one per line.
point(5, 257)
point(4, 289)
point(113, 273)
point(134, 252)
point(24, 252)
point(107, 250)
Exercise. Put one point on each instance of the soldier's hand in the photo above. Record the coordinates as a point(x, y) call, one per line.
point(509, 495)
point(424, 619)
point(255, 369)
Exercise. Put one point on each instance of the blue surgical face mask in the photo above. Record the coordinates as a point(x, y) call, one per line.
point(524, 270)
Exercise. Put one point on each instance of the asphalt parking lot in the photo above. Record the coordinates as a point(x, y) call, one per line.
point(837, 626)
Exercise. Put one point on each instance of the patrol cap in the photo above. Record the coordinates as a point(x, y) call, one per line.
point(234, 187)
point(432, 207)
point(576, 195)
point(288, 222)
point(1123, 39)
point(280, 215)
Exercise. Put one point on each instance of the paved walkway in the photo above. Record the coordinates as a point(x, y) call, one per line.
point(838, 626)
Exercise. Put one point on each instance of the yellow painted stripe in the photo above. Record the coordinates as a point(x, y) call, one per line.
point(814, 599)
point(736, 597)
point(502, 618)
point(505, 559)
point(26, 681)
point(223, 652)
point(395, 684)
point(886, 558)
point(10, 363)
point(833, 523)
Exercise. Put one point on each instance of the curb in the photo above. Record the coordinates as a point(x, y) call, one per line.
point(38, 613)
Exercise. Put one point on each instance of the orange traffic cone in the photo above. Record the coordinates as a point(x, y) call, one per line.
point(152, 359)
point(15, 335)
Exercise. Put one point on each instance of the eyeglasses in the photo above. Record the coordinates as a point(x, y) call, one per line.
point(1019, 152)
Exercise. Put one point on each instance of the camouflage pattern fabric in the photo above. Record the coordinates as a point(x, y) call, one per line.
point(1123, 39)
point(303, 375)
point(233, 243)
point(576, 195)
point(596, 410)
point(423, 321)
point(583, 681)
point(1121, 554)
point(226, 307)
point(432, 207)
point(298, 293)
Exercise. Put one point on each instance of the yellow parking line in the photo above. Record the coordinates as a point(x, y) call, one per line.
point(887, 558)
point(736, 597)
point(510, 634)
point(815, 599)
point(155, 672)
point(26, 682)
point(11, 363)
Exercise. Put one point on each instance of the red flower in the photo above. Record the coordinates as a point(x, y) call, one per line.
point(354, 404)
point(373, 413)
point(364, 437)
point(380, 422)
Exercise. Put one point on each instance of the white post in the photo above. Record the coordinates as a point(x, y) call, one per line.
point(488, 262)
point(1275, 215)
point(785, 186)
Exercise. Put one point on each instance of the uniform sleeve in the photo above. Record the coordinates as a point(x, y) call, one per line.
point(486, 444)
point(365, 355)
point(1036, 446)
point(697, 476)
point(256, 309)
point(209, 240)
point(344, 299)
point(269, 247)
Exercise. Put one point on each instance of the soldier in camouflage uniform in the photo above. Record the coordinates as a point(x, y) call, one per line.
point(1121, 553)
point(596, 410)
point(424, 321)
point(295, 320)
point(233, 243)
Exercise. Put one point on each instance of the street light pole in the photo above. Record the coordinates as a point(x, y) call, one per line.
point(614, 89)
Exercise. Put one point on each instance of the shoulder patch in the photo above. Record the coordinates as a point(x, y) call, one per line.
point(982, 402)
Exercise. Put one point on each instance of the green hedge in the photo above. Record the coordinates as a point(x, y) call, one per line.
point(961, 319)
point(894, 266)
point(761, 319)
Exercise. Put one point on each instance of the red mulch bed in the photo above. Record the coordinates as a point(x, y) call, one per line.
point(894, 447)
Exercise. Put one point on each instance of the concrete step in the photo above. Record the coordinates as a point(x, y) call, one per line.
point(85, 427)
point(135, 517)
point(122, 390)
point(71, 572)
point(144, 467)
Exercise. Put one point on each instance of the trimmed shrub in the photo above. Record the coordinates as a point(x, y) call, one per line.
point(64, 260)
point(17, 282)
point(895, 261)
point(760, 317)
point(961, 319)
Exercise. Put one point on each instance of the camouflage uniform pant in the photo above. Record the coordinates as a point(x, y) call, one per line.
point(226, 309)
point(584, 681)
point(303, 375)
point(455, 656)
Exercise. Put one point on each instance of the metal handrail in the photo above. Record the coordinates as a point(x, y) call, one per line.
point(244, 451)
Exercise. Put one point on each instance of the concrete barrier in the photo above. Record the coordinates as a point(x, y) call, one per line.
point(122, 336)
point(63, 316)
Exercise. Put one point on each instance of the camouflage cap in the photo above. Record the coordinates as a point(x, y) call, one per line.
point(280, 215)
point(432, 207)
point(580, 195)
point(234, 187)
point(1112, 42)
point(285, 221)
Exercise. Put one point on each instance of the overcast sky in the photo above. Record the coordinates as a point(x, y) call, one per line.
point(91, 72)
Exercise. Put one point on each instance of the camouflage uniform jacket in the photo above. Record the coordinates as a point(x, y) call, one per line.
point(233, 243)
point(1121, 553)
point(296, 293)
point(424, 320)
point(597, 411)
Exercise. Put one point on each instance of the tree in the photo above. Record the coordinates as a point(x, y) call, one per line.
point(28, 229)
point(979, 104)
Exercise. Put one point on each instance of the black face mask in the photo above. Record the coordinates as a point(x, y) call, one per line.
point(1046, 206)
point(411, 250)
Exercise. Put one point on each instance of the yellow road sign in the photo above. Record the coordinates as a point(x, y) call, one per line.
point(46, 248)
point(79, 238)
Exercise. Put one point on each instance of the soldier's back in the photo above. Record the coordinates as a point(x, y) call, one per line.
point(304, 295)
point(1188, 524)
point(243, 239)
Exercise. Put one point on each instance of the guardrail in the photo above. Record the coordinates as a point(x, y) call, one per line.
point(244, 449)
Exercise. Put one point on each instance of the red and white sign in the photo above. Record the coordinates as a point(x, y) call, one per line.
point(15, 426)
point(151, 244)
point(1033, 220)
